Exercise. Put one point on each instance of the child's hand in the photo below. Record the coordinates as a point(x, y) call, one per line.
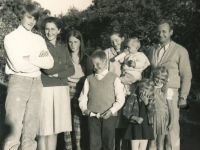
point(106, 114)
point(112, 59)
point(131, 63)
point(144, 98)
point(139, 120)
point(87, 112)
point(126, 51)
point(169, 127)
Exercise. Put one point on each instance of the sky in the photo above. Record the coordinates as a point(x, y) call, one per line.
point(58, 6)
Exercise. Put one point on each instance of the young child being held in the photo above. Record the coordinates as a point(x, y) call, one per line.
point(139, 109)
point(100, 99)
point(163, 118)
point(134, 63)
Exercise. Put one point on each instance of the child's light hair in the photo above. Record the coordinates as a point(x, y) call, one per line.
point(99, 54)
point(136, 41)
point(146, 84)
point(162, 71)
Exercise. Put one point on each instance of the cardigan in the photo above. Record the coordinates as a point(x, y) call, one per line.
point(82, 70)
point(176, 59)
point(131, 108)
point(113, 66)
point(63, 66)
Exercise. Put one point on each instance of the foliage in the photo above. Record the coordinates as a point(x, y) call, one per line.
point(138, 18)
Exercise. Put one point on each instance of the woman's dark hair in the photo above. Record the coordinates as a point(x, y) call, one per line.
point(78, 35)
point(54, 20)
point(31, 9)
point(115, 28)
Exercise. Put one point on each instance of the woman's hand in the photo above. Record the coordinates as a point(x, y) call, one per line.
point(139, 120)
point(53, 75)
point(44, 53)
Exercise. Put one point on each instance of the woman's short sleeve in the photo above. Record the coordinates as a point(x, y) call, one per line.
point(170, 94)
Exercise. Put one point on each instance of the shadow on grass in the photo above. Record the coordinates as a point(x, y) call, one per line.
point(190, 126)
point(4, 129)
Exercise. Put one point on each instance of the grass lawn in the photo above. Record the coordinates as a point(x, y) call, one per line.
point(189, 123)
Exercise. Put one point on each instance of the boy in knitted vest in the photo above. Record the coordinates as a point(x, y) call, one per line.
point(100, 99)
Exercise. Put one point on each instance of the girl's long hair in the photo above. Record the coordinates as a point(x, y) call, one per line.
point(78, 35)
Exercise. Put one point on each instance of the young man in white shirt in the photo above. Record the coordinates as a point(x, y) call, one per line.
point(26, 54)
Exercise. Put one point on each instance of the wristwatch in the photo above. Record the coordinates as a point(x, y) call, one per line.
point(183, 98)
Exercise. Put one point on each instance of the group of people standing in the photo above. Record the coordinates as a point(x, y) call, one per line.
point(102, 99)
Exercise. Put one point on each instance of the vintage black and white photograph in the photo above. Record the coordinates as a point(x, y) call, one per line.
point(99, 74)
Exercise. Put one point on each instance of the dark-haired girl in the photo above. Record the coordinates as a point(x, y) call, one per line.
point(55, 115)
point(117, 38)
point(83, 67)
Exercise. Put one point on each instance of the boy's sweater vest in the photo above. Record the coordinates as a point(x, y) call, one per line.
point(101, 94)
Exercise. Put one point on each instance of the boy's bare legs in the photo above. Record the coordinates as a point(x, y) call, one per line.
point(139, 144)
point(160, 142)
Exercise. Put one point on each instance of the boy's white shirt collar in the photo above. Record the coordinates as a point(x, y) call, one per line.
point(101, 75)
point(23, 30)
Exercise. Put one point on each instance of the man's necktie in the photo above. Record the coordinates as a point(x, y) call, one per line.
point(161, 53)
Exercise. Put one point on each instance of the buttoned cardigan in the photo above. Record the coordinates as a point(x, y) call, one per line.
point(63, 66)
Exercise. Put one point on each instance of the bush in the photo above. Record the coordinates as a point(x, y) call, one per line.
point(138, 18)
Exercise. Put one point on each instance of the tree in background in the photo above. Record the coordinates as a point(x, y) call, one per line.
point(138, 18)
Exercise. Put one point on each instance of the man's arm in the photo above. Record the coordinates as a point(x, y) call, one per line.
point(15, 59)
point(185, 76)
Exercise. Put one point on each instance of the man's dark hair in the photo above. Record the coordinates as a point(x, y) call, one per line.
point(168, 21)
point(31, 9)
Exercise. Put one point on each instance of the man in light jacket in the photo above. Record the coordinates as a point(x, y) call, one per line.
point(175, 57)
